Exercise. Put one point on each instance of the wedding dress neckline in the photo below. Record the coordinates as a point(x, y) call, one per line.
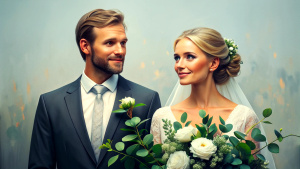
point(231, 115)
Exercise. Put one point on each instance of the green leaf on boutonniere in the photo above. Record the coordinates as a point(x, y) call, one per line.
point(267, 122)
point(202, 113)
point(273, 148)
point(267, 112)
point(255, 132)
point(240, 135)
point(129, 123)
point(112, 160)
point(177, 125)
point(236, 161)
point(221, 120)
point(183, 117)
point(142, 130)
point(131, 149)
point(119, 111)
point(250, 144)
point(120, 146)
point(148, 139)
point(279, 136)
point(139, 104)
point(135, 121)
point(129, 137)
point(124, 129)
point(187, 123)
point(260, 156)
point(142, 153)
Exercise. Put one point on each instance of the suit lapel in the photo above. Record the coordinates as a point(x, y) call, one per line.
point(123, 90)
point(74, 105)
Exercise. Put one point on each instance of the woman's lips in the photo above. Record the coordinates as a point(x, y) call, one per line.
point(181, 75)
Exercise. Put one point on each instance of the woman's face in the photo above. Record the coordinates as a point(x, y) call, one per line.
point(192, 65)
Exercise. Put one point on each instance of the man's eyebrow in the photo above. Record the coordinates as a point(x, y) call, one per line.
point(114, 39)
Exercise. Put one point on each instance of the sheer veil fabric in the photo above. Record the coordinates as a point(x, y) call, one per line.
point(232, 91)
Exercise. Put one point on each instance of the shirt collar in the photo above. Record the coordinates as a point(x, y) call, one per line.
point(88, 83)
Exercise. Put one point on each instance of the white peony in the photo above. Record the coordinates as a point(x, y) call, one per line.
point(203, 148)
point(178, 160)
point(127, 102)
point(184, 135)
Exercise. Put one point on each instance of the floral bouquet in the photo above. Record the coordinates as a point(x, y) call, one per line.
point(187, 147)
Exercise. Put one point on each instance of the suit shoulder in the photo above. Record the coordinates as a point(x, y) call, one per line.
point(62, 90)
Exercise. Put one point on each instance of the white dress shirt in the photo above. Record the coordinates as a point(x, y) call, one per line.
point(88, 99)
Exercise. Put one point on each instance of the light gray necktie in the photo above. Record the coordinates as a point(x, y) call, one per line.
point(97, 121)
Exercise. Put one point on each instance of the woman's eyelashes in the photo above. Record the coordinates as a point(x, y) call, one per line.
point(188, 57)
point(176, 58)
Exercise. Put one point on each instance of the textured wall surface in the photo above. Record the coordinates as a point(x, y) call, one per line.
point(38, 54)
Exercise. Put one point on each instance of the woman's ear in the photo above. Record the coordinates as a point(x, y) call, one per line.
point(214, 64)
point(85, 46)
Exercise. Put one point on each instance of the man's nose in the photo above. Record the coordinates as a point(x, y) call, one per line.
point(119, 49)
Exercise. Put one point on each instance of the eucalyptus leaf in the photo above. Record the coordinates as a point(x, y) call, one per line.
point(155, 167)
point(228, 158)
point(234, 141)
point(209, 121)
point(267, 112)
point(225, 128)
point(177, 125)
point(255, 132)
point(129, 163)
point(148, 139)
point(212, 128)
point(187, 123)
point(221, 120)
point(244, 150)
point(205, 119)
point(273, 148)
point(131, 149)
point(129, 137)
point(267, 122)
point(260, 156)
point(112, 160)
point(120, 146)
point(183, 117)
point(240, 135)
point(157, 149)
point(142, 153)
point(244, 166)
point(142, 166)
point(250, 144)
point(202, 113)
point(202, 130)
point(236, 161)
point(225, 136)
point(259, 138)
point(279, 136)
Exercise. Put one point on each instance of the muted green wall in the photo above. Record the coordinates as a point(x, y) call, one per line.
point(38, 53)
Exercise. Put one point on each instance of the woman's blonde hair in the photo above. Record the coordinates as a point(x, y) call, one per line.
point(212, 44)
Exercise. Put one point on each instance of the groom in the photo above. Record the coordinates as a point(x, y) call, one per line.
point(65, 125)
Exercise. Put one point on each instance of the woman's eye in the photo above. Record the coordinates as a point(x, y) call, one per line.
point(190, 57)
point(176, 58)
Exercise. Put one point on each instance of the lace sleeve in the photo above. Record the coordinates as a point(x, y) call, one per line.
point(251, 119)
point(155, 127)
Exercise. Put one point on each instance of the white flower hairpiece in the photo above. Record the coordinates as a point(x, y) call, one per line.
point(233, 48)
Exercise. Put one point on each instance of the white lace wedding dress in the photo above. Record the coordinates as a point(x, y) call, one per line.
point(241, 118)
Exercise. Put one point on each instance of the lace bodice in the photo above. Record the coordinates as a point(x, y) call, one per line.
point(241, 118)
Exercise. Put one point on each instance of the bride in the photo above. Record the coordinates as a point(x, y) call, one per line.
point(206, 65)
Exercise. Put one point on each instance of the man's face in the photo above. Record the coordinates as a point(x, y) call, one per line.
point(109, 48)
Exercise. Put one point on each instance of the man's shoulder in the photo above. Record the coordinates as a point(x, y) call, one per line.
point(64, 89)
point(137, 87)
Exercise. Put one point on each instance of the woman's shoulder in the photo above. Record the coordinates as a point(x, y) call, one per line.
point(247, 111)
point(162, 112)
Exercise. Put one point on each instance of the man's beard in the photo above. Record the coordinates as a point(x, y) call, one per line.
point(102, 65)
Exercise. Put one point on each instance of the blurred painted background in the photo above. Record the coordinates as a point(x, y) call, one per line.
point(38, 53)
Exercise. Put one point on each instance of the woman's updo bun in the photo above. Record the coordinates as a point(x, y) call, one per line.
point(212, 43)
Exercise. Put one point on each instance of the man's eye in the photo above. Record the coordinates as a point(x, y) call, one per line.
point(123, 43)
point(190, 57)
point(109, 43)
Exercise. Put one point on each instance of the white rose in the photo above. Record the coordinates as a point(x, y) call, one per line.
point(178, 160)
point(184, 135)
point(231, 48)
point(203, 148)
point(127, 102)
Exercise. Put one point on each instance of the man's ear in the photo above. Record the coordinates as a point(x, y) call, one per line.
point(85, 46)
point(214, 64)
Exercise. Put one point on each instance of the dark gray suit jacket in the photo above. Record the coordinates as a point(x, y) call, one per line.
point(60, 138)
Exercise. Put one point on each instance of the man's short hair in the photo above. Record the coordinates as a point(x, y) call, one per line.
point(96, 18)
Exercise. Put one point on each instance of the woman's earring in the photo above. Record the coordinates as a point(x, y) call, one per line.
point(211, 69)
